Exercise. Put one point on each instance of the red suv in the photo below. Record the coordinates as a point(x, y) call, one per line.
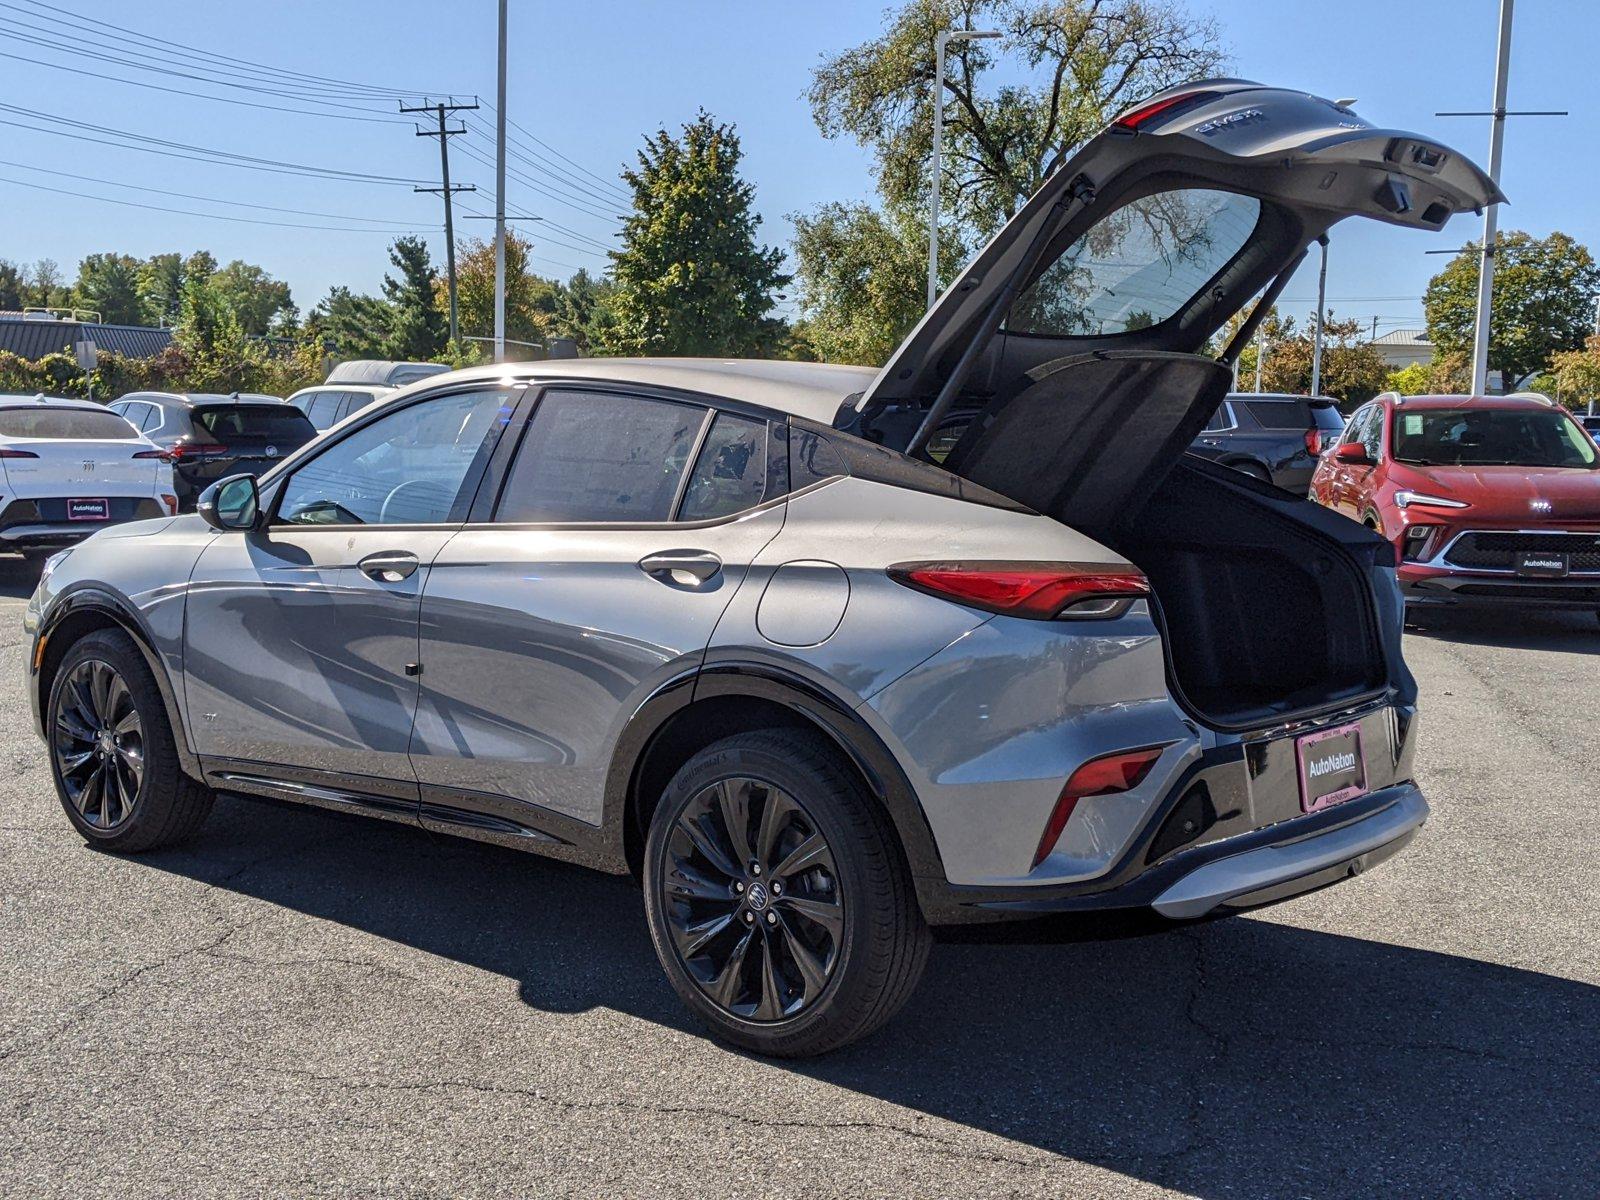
point(1488, 500)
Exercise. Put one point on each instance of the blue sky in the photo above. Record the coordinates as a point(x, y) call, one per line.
point(589, 79)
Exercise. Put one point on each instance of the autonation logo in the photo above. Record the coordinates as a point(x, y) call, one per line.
point(1334, 762)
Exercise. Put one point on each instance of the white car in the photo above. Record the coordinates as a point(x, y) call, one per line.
point(70, 467)
point(325, 405)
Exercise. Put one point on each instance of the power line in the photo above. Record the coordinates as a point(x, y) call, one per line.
point(621, 192)
point(444, 133)
point(191, 213)
point(609, 194)
point(541, 189)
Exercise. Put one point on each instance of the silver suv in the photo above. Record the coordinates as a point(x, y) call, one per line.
point(736, 629)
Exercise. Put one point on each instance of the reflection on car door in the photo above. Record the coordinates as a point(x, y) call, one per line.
point(301, 645)
point(543, 629)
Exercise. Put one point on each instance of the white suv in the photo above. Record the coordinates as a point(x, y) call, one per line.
point(70, 467)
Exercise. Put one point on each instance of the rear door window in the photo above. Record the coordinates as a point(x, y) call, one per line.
point(1220, 420)
point(601, 456)
point(730, 472)
point(67, 424)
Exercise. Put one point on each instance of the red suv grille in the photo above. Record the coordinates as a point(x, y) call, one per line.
point(1492, 551)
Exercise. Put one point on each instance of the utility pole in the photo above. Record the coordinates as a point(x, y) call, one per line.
point(444, 134)
point(500, 198)
point(1322, 300)
point(1491, 212)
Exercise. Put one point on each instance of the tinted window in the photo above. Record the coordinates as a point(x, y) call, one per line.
point(1491, 437)
point(1138, 266)
point(730, 474)
point(151, 417)
point(1219, 420)
point(593, 456)
point(1327, 417)
point(405, 468)
point(1371, 433)
point(69, 423)
point(282, 423)
point(321, 408)
point(1278, 414)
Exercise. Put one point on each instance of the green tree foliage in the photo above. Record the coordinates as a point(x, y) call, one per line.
point(13, 286)
point(864, 278)
point(161, 288)
point(690, 277)
point(420, 329)
point(1577, 373)
point(1544, 302)
point(109, 284)
point(530, 298)
point(1413, 379)
point(261, 303)
point(357, 326)
point(1352, 369)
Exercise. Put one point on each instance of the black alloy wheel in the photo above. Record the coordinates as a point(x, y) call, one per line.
point(98, 743)
point(753, 899)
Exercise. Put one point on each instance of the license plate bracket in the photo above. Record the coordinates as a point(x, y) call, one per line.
point(1543, 564)
point(1332, 767)
point(88, 510)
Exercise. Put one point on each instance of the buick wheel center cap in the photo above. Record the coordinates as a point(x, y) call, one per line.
point(757, 897)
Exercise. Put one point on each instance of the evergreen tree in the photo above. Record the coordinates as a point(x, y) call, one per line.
point(690, 277)
point(420, 329)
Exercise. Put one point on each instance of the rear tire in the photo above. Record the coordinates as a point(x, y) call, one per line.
point(778, 899)
point(112, 752)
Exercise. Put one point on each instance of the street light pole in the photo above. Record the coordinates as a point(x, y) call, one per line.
point(500, 199)
point(1491, 212)
point(940, 41)
point(1322, 303)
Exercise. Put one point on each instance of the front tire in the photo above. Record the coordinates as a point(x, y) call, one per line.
point(778, 900)
point(112, 752)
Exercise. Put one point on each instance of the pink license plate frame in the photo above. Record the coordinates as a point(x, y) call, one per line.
point(1316, 750)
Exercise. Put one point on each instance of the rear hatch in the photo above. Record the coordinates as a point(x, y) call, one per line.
point(230, 439)
point(68, 453)
point(1081, 337)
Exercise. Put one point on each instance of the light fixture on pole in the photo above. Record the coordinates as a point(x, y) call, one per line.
point(500, 199)
point(943, 39)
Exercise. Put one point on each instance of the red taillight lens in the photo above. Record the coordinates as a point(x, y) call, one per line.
point(196, 450)
point(1314, 441)
point(1166, 106)
point(1103, 776)
point(1040, 591)
point(8, 452)
point(160, 454)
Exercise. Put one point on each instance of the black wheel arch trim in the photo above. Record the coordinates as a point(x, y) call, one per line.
point(87, 598)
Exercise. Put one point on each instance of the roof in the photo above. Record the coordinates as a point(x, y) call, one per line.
point(1280, 396)
point(382, 371)
point(371, 389)
point(10, 399)
point(1526, 402)
point(33, 339)
point(803, 389)
point(1403, 337)
point(204, 397)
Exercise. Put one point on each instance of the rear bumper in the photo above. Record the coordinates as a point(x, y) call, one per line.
point(39, 523)
point(1248, 870)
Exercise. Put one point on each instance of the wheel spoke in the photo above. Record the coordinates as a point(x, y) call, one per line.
point(825, 913)
point(130, 723)
point(694, 938)
point(71, 722)
point(733, 799)
point(100, 677)
point(71, 764)
point(812, 970)
point(770, 1006)
point(114, 806)
point(774, 816)
point(689, 884)
point(724, 988)
point(705, 841)
point(813, 852)
point(118, 698)
point(92, 792)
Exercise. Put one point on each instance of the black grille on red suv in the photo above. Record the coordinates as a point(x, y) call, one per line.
point(1498, 551)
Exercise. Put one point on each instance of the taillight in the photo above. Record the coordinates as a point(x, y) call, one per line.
point(184, 450)
point(1166, 106)
point(1039, 591)
point(8, 452)
point(171, 502)
point(1314, 442)
point(1103, 776)
point(159, 454)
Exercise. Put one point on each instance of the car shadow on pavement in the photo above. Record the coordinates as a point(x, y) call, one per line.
point(1565, 632)
point(1237, 1058)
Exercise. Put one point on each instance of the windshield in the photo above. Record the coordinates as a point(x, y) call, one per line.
point(74, 424)
point(1490, 437)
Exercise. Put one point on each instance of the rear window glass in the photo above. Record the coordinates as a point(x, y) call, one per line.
point(72, 424)
point(1138, 266)
point(1327, 417)
point(1279, 414)
point(273, 422)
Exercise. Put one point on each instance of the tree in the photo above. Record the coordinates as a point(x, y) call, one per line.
point(357, 326)
point(161, 288)
point(419, 331)
point(259, 301)
point(221, 358)
point(861, 274)
point(109, 284)
point(1544, 299)
point(13, 287)
point(47, 288)
point(1015, 113)
point(1577, 372)
point(690, 277)
point(1352, 369)
point(582, 311)
point(530, 298)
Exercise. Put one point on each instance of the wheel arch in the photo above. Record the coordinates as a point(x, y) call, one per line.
point(734, 697)
point(79, 613)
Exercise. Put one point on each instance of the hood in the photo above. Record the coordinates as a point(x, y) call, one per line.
point(1532, 495)
point(1146, 242)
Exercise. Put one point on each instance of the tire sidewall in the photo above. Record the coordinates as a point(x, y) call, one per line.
point(819, 800)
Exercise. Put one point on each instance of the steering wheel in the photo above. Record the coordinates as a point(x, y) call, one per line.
point(429, 489)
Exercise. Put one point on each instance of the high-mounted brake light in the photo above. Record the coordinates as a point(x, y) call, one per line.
point(8, 452)
point(1104, 776)
point(1166, 106)
point(1039, 591)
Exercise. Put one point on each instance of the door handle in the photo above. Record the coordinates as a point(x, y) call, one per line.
point(390, 566)
point(668, 565)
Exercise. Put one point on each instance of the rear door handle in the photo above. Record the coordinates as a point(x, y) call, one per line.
point(390, 566)
point(667, 566)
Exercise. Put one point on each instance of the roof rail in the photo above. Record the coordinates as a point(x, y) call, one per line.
point(1539, 396)
point(1395, 396)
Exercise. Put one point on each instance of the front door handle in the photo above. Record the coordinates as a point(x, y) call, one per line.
point(390, 566)
point(681, 566)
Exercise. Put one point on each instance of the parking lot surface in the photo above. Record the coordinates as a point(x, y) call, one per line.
point(301, 1003)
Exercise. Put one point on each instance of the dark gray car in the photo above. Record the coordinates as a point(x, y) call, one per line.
point(728, 626)
point(1271, 436)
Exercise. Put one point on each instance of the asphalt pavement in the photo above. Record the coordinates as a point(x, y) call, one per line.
point(301, 1003)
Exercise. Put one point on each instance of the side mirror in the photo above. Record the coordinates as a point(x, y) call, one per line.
point(1354, 453)
point(233, 503)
